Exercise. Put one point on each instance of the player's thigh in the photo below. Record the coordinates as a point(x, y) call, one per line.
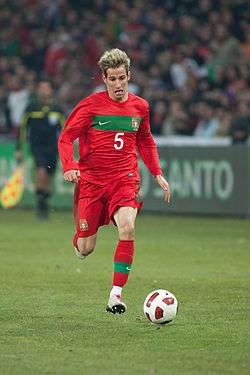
point(124, 201)
point(91, 210)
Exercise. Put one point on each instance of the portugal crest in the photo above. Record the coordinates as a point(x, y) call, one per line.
point(135, 123)
point(83, 225)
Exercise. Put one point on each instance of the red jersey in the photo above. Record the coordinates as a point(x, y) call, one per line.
point(110, 133)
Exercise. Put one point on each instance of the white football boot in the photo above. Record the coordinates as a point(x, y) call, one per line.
point(115, 305)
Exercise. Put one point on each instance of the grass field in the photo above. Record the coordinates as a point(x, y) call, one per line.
point(52, 306)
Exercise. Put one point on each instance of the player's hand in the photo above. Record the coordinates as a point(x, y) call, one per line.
point(72, 175)
point(164, 185)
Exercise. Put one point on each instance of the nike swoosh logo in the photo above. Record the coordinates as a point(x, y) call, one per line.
point(103, 123)
point(128, 268)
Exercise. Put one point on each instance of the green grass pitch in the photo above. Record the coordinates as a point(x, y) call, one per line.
point(52, 305)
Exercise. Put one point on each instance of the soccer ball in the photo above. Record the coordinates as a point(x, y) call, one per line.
point(160, 306)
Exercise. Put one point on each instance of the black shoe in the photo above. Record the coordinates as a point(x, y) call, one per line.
point(115, 305)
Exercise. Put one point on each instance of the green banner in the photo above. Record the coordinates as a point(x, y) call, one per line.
point(203, 180)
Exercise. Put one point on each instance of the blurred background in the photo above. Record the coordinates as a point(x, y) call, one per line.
point(190, 60)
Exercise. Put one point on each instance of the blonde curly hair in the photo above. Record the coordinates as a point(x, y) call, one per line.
point(114, 58)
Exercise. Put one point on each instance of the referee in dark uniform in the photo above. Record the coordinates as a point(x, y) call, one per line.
point(41, 126)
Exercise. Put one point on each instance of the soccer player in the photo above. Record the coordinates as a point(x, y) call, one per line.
point(111, 126)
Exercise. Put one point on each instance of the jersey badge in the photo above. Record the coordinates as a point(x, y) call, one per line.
point(83, 225)
point(135, 123)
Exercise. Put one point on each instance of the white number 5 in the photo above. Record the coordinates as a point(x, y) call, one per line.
point(119, 142)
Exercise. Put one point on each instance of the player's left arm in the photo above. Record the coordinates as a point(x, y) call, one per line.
point(149, 154)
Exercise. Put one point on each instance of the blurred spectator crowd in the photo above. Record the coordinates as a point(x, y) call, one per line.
point(190, 58)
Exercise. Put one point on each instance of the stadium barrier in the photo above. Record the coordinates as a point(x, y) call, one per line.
point(204, 178)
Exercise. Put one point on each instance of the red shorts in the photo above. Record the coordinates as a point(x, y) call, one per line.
point(96, 204)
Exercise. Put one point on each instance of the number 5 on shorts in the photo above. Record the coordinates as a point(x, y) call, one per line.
point(119, 142)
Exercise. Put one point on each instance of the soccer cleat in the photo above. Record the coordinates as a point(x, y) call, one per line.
point(115, 305)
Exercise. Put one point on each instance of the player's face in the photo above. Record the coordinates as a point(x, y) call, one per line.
point(45, 91)
point(116, 80)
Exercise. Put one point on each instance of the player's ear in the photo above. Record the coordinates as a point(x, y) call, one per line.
point(129, 75)
point(104, 78)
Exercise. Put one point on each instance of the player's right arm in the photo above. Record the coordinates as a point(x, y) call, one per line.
point(75, 126)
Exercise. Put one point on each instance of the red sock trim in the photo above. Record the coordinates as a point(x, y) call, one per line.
point(124, 253)
point(120, 279)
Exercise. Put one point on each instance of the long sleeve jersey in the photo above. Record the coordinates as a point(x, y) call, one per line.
point(109, 133)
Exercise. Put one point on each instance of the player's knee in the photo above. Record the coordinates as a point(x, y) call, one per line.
point(127, 231)
point(85, 248)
